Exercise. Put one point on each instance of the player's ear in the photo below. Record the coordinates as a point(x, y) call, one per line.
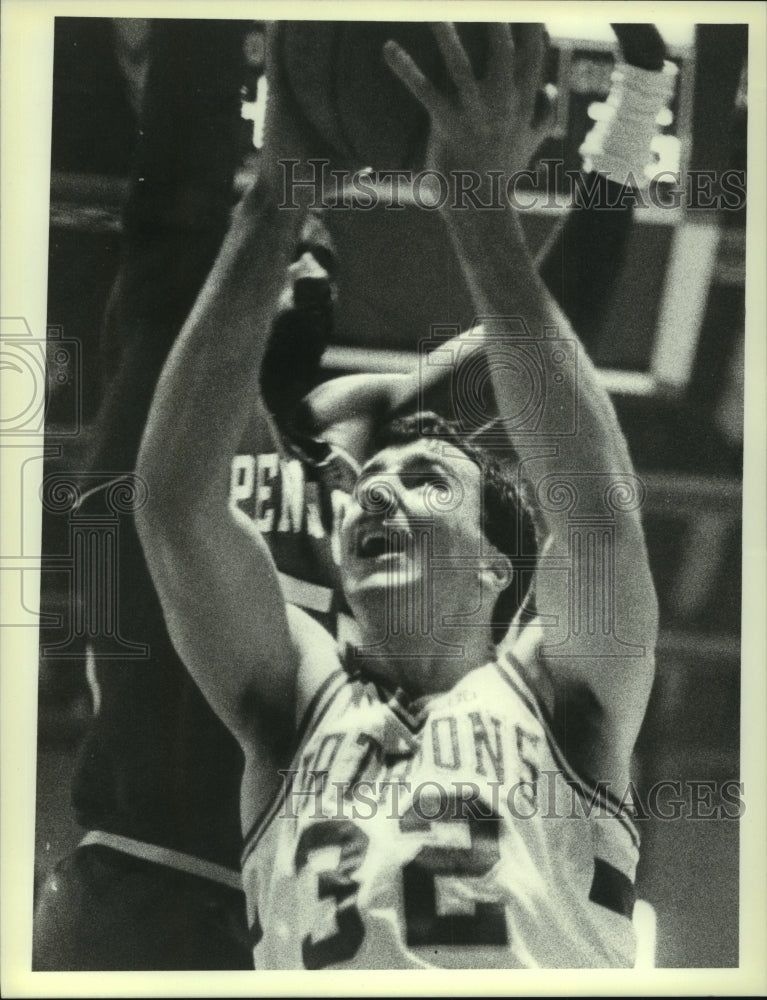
point(497, 571)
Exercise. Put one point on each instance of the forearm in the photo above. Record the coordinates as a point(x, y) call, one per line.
point(505, 284)
point(205, 392)
point(592, 584)
point(582, 266)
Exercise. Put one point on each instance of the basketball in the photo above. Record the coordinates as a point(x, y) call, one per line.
point(359, 113)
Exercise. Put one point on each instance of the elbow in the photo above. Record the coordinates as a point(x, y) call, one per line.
point(653, 608)
point(635, 595)
point(185, 488)
point(152, 520)
point(163, 508)
point(646, 594)
point(167, 519)
point(643, 630)
point(641, 614)
point(146, 516)
point(179, 515)
point(652, 619)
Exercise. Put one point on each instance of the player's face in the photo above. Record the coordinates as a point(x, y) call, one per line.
point(414, 525)
point(301, 326)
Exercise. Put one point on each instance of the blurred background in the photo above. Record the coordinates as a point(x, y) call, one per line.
point(669, 341)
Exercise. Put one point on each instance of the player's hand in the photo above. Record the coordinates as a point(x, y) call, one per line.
point(491, 123)
point(283, 139)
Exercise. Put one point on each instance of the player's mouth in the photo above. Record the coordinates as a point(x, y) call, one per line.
point(377, 542)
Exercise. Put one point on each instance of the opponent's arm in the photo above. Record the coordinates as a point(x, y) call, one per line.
point(490, 126)
point(349, 409)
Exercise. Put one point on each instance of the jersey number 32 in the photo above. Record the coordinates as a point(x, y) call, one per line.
point(423, 924)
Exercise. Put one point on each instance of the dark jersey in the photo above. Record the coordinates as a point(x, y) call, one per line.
point(157, 765)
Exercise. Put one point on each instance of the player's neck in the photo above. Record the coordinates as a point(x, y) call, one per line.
point(423, 664)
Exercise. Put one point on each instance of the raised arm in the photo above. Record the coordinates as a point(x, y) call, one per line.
point(212, 569)
point(594, 593)
point(580, 265)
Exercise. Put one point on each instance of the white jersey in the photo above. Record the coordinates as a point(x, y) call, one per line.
point(447, 832)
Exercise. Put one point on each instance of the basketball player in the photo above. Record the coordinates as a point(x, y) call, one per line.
point(156, 764)
point(154, 883)
point(393, 803)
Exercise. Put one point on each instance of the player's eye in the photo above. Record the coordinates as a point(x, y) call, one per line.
point(426, 478)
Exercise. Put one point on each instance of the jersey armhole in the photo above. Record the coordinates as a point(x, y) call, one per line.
point(511, 672)
point(319, 705)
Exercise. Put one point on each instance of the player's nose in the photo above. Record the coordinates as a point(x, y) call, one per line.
point(311, 283)
point(382, 496)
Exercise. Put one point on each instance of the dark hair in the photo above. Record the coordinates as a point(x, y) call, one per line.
point(507, 520)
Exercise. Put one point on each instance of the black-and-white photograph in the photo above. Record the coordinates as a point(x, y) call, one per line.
point(390, 485)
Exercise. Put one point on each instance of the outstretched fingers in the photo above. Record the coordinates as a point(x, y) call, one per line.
point(502, 55)
point(530, 56)
point(457, 62)
point(405, 69)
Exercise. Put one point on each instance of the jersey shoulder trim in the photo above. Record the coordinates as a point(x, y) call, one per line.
point(313, 715)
